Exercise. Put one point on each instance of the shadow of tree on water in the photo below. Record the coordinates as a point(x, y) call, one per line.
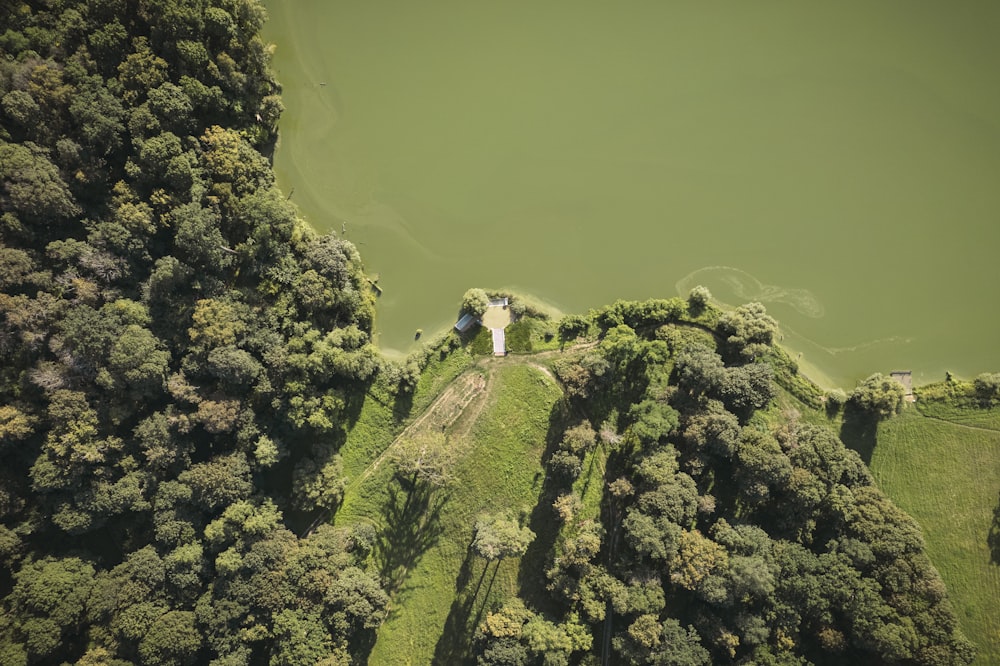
point(413, 525)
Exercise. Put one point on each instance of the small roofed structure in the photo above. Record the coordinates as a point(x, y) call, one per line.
point(499, 302)
point(905, 377)
point(466, 322)
point(499, 342)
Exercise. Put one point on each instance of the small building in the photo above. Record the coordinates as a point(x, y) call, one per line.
point(499, 302)
point(466, 322)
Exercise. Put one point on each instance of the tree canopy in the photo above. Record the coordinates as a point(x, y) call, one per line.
point(176, 351)
point(729, 531)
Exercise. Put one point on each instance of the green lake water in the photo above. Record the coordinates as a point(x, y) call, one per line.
point(839, 162)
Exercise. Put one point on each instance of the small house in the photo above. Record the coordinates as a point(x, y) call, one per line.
point(466, 322)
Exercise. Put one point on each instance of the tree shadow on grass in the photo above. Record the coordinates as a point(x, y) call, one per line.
point(467, 611)
point(413, 525)
point(993, 538)
point(402, 405)
point(859, 431)
point(543, 522)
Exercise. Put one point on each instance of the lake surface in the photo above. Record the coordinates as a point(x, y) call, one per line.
point(839, 162)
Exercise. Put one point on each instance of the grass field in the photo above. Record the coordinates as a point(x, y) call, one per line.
point(440, 592)
point(382, 418)
point(947, 476)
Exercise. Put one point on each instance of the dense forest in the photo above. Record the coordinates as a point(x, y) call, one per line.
point(177, 351)
point(180, 357)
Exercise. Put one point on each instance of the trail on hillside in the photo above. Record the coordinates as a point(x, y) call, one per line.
point(453, 402)
point(440, 415)
point(961, 425)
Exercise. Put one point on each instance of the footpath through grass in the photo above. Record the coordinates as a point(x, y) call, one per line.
point(947, 476)
point(440, 592)
point(382, 417)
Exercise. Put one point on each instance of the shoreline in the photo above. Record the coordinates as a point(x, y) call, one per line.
point(812, 372)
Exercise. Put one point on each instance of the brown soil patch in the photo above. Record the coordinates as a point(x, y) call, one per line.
point(496, 316)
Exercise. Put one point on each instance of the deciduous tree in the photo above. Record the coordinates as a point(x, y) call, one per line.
point(498, 537)
point(426, 456)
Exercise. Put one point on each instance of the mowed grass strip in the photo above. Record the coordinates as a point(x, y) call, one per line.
point(441, 591)
point(947, 477)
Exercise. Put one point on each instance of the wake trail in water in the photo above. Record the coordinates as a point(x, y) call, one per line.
point(747, 288)
point(849, 349)
point(378, 215)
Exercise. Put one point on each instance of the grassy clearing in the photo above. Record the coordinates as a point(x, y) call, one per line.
point(590, 485)
point(988, 419)
point(382, 416)
point(947, 477)
point(440, 592)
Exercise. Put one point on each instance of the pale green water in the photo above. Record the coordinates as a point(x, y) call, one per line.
point(839, 161)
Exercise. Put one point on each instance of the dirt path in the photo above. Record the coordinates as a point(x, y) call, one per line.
point(456, 399)
point(440, 415)
point(463, 400)
point(961, 425)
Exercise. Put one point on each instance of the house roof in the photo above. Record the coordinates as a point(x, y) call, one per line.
point(465, 323)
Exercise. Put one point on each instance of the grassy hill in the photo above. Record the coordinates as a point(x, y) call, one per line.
point(495, 414)
point(940, 463)
point(946, 474)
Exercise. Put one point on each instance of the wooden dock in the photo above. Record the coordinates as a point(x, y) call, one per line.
point(499, 342)
point(905, 377)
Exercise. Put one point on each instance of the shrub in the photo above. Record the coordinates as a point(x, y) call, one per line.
point(482, 344)
point(565, 465)
point(698, 298)
point(878, 395)
point(987, 386)
point(573, 326)
point(835, 399)
point(475, 302)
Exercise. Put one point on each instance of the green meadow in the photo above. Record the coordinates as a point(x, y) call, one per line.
point(440, 590)
point(946, 474)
